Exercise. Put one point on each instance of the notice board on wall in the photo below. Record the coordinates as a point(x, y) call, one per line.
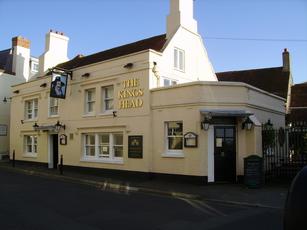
point(135, 146)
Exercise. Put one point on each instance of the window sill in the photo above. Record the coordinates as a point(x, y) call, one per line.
point(30, 120)
point(29, 155)
point(173, 154)
point(106, 113)
point(107, 161)
point(180, 70)
point(89, 115)
point(53, 116)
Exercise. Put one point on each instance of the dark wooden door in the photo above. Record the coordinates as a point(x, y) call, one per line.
point(225, 153)
point(55, 148)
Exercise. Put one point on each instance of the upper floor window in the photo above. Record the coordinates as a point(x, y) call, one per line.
point(168, 82)
point(53, 106)
point(174, 135)
point(107, 98)
point(90, 101)
point(179, 59)
point(30, 146)
point(31, 109)
point(35, 67)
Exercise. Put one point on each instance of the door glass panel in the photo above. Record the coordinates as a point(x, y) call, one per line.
point(219, 132)
point(229, 132)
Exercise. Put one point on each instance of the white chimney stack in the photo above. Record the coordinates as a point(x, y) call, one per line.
point(21, 57)
point(181, 14)
point(56, 47)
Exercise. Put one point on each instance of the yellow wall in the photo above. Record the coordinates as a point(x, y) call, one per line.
point(178, 103)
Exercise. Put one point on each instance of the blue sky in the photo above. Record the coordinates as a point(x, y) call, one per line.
point(93, 26)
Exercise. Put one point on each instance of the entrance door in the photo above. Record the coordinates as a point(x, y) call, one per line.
point(225, 153)
point(55, 150)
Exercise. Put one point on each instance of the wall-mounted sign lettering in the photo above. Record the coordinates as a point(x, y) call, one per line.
point(3, 130)
point(63, 139)
point(190, 140)
point(135, 146)
point(58, 85)
point(131, 94)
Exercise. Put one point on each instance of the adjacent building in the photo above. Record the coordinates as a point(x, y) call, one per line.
point(150, 107)
point(16, 66)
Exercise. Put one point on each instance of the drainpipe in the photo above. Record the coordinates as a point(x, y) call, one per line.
point(156, 73)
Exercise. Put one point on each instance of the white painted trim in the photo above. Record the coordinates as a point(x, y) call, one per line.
point(107, 161)
point(29, 155)
point(211, 154)
point(50, 151)
point(178, 154)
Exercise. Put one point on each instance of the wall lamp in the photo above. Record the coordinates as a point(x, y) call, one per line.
point(44, 85)
point(86, 75)
point(128, 65)
point(247, 124)
point(7, 99)
point(58, 126)
point(114, 113)
point(205, 124)
point(35, 126)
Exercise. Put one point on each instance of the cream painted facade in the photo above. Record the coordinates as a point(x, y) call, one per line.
point(143, 106)
point(6, 81)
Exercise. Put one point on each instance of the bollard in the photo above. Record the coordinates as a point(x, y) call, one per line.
point(13, 159)
point(61, 165)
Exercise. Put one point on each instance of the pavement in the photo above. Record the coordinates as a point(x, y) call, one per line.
point(269, 196)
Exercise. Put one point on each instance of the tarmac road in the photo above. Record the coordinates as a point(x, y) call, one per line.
point(31, 202)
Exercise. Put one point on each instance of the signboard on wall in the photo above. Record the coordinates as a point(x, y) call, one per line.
point(58, 85)
point(135, 146)
point(3, 130)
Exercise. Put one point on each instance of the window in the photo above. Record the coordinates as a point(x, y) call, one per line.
point(107, 98)
point(168, 82)
point(174, 135)
point(179, 59)
point(31, 109)
point(35, 67)
point(89, 101)
point(104, 147)
point(53, 106)
point(89, 145)
point(30, 145)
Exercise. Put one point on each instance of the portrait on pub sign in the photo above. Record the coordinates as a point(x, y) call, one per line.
point(58, 86)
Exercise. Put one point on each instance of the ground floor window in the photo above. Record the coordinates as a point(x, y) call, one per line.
point(30, 145)
point(174, 135)
point(103, 146)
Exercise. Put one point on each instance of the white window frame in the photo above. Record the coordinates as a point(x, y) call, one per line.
point(91, 101)
point(179, 59)
point(33, 144)
point(106, 99)
point(50, 106)
point(32, 110)
point(107, 158)
point(32, 67)
point(172, 152)
point(171, 82)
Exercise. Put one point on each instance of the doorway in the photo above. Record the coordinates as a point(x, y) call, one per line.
point(225, 153)
point(53, 151)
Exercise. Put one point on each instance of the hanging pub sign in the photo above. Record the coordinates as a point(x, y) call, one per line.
point(135, 146)
point(58, 85)
point(190, 140)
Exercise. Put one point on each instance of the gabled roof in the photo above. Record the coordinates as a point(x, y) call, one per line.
point(6, 61)
point(154, 43)
point(299, 95)
point(272, 80)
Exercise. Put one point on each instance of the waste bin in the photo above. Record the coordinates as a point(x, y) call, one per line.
point(253, 171)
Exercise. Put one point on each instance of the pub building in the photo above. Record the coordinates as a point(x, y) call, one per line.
point(152, 107)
